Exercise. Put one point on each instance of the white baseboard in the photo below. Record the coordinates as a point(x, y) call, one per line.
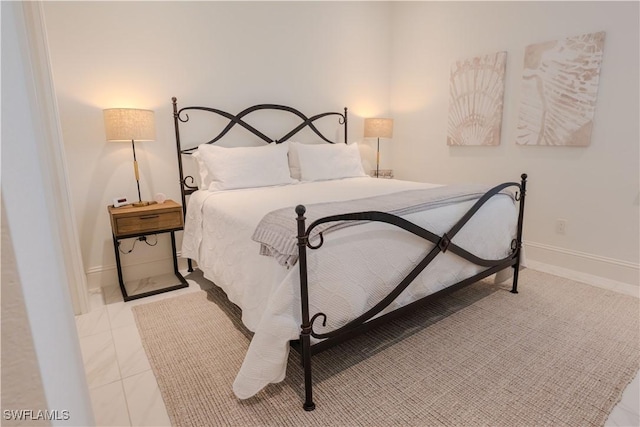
point(587, 268)
point(106, 276)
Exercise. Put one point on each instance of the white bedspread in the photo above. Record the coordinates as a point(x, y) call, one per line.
point(353, 270)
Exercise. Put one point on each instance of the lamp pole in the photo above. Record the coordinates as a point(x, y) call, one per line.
point(135, 170)
point(378, 160)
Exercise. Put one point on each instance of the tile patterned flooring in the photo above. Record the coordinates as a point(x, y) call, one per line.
point(123, 388)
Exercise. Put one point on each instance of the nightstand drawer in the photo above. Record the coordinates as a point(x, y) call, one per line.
point(148, 222)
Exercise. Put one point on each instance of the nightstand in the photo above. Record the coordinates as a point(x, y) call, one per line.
point(139, 222)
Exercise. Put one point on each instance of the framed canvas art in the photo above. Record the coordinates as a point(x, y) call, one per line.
point(476, 92)
point(559, 91)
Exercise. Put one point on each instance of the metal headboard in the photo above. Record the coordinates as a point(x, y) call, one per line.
point(181, 116)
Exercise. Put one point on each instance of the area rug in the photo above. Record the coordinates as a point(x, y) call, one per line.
point(558, 353)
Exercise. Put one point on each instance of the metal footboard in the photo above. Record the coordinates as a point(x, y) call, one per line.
point(366, 321)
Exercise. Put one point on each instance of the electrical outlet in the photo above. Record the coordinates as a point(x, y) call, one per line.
point(561, 226)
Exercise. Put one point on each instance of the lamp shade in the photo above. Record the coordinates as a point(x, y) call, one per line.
point(129, 124)
point(378, 128)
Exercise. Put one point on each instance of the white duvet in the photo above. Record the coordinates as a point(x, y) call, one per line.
point(351, 272)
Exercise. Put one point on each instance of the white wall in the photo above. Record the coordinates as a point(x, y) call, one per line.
point(594, 188)
point(315, 56)
point(29, 229)
point(21, 380)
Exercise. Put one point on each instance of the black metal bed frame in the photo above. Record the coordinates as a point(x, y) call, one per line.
point(365, 321)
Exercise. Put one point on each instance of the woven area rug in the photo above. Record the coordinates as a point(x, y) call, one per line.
point(558, 353)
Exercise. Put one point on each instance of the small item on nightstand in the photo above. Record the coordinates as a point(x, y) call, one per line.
point(120, 201)
point(160, 198)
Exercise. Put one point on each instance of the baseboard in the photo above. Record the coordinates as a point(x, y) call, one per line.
point(105, 276)
point(588, 268)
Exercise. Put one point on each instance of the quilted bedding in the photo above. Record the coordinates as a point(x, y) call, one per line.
point(356, 267)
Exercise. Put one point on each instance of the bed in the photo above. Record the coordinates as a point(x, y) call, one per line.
point(315, 254)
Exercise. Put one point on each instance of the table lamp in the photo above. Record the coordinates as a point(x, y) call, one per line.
point(378, 128)
point(130, 124)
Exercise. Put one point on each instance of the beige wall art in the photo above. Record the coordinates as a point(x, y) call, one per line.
point(559, 91)
point(476, 91)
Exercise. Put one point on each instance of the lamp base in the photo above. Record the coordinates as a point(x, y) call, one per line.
point(381, 173)
point(143, 203)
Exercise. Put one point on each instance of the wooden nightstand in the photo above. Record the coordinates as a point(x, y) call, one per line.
point(138, 222)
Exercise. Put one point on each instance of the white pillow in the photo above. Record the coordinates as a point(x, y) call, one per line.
point(245, 167)
point(294, 161)
point(329, 161)
point(203, 180)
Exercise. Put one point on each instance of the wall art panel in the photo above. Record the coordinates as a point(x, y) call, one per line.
point(559, 91)
point(476, 92)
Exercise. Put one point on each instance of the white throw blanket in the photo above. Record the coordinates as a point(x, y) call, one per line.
point(277, 231)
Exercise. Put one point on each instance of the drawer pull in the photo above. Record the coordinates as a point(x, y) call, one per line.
point(149, 216)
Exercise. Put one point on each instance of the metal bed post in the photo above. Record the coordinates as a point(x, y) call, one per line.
point(345, 126)
point(305, 328)
point(516, 266)
point(180, 170)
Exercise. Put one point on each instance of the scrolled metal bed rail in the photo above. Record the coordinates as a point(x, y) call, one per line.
point(442, 244)
point(237, 119)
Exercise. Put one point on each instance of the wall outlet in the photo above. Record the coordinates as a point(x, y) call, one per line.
point(561, 226)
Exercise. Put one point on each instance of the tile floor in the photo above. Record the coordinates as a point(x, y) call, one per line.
point(123, 388)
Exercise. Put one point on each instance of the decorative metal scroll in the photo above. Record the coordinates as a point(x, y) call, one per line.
point(191, 180)
point(441, 244)
point(238, 120)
